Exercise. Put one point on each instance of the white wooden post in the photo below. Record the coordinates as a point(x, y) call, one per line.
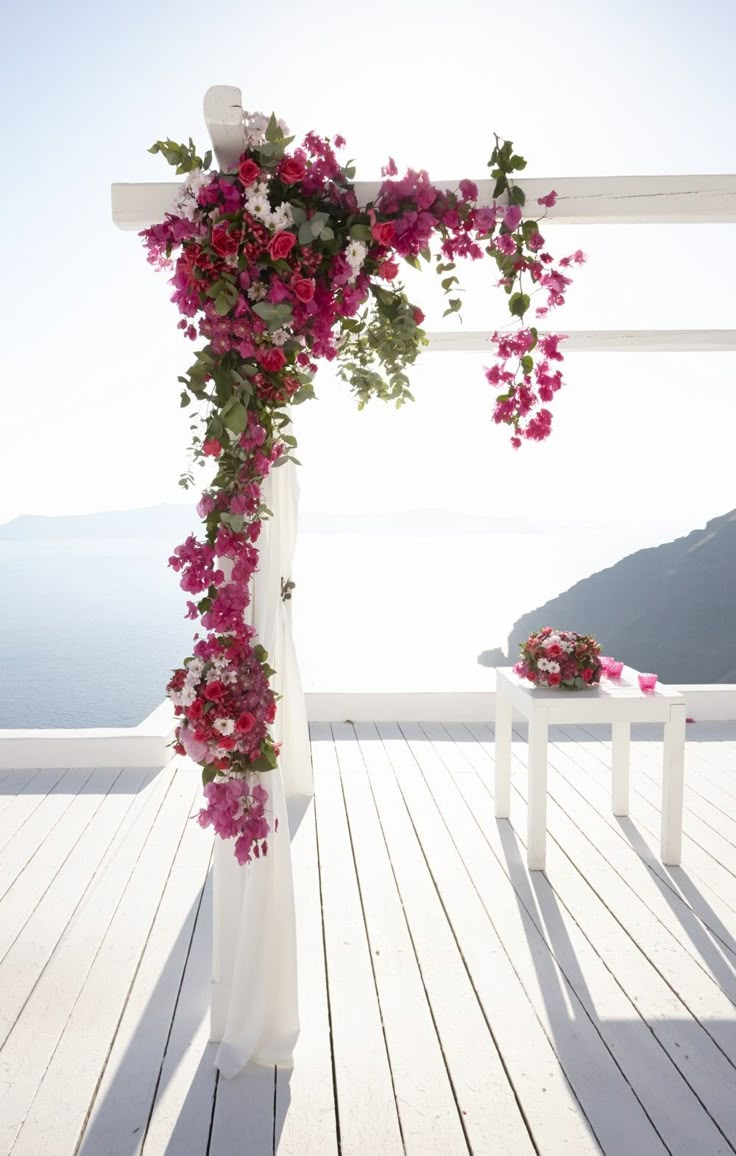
point(536, 840)
point(620, 743)
point(503, 724)
point(673, 782)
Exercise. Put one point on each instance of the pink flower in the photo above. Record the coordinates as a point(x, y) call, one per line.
point(469, 190)
point(549, 343)
point(281, 245)
point(197, 750)
point(212, 447)
point(248, 171)
point(273, 359)
point(205, 506)
point(303, 289)
point(512, 216)
point(484, 219)
point(293, 169)
point(417, 315)
point(388, 270)
point(224, 242)
point(245, 723)
point(549, 200)
point(383, 232)
point(505, 244)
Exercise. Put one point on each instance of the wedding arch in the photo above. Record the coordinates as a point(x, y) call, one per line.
point(278, 260)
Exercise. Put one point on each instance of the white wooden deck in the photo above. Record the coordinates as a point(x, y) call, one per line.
point(451, 1001)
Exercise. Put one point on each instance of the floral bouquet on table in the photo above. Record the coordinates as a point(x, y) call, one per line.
point(560, 658)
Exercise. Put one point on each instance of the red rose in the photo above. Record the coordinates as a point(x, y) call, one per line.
point(418, 316)
point(248, 172)
point(388, 270)
point(214, 690)
point(303, 288)
point(281, 245)
point(532, 676)
point(245, 723)
point(383, 232)
point(195, 710)
point(273, 360)
point(292, 169)
point(223, 241)
point(587, 674)
point(554, 679)
point(212, 447)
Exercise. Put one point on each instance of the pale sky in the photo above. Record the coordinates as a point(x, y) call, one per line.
point(90, 347)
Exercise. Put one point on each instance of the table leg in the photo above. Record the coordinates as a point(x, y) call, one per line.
point(536, 841)
point(502, 753)
point(673, 781)
point(620, 743)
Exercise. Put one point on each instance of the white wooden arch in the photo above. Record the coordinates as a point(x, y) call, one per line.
point(652, 200)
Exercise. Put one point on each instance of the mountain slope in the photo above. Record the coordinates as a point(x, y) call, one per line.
point(670, 609)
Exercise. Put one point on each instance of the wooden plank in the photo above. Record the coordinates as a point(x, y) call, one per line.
point(601, 341)
point(424, 1095)
point(59, 1110)
point(26, 958)
point(21, 900)
point(181, 1115)
point(305, 1099)
point(223, 115)
point(541, 1087)
point(669, 1060)
point(23, 806)
point(606, 1098)
point(36, 1033)
point(13, 784)
point(367, 1114)
point(490, 1114)
point(123, 1101)
point(645, 821)
point(244, 1114)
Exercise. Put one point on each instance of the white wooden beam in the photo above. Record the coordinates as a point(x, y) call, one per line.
point(604, 341)
point(223, 115)
point(582, 200)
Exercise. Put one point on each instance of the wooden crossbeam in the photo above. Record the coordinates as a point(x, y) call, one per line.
point(604, 341)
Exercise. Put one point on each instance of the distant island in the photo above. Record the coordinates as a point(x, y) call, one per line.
point(669, 609)
point(173, 521)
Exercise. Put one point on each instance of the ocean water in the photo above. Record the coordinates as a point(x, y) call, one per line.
point(89, 630)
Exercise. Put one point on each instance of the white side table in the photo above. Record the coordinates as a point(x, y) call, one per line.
point(617, 701)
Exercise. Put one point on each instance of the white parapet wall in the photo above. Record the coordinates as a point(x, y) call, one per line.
point(149, 744)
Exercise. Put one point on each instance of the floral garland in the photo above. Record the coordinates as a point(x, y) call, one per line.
point(277, 266)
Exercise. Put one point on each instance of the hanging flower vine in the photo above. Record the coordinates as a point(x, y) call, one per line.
point(276, 266)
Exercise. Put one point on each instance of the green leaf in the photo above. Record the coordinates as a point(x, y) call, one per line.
point(222, 304)
point(518, 304)
point(517, 196)
point(299, 215)
point(185, 399)
point(265, 310)
point(527, 364)
point(327, 234)
point(426, 253)
point(236, 417)
point(449, 282)
point(207, 159)
point(305, 233)
point(360, 232)
point(273, 132)
point(208, 774)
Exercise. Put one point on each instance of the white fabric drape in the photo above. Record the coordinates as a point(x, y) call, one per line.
point(254, 1009)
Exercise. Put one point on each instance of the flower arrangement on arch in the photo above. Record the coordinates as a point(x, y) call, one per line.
point(274, 267)
point(560, 658)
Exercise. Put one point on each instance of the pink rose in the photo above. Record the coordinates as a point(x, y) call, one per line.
point(245, 723)
point(248, 171)
point(212, 447)
point(303, 288)
point(281, 245)
point(554, 679)
point(273, 359)
point(388, 270)
point(417, 315)
point(292, 169)
point(224, 242)
point(383, 232)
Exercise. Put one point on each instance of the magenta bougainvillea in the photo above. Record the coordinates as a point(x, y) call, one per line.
point(276, 266)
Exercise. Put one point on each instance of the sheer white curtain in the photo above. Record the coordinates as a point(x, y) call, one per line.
point(254, 1010)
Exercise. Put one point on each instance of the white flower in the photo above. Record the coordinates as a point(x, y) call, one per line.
point(282, 217)
point(254, 127)
point(259, 208)
point(355, 254)
point(185, 204)
point(257, 291)
point(280, 337)
point(225, 726)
